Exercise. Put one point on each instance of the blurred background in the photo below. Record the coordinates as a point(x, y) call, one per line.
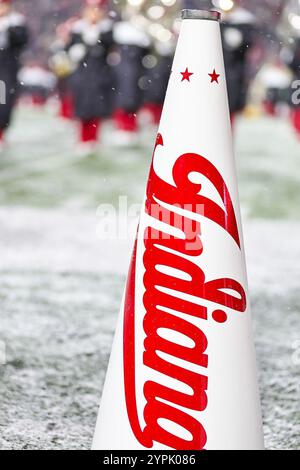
point(82, 86)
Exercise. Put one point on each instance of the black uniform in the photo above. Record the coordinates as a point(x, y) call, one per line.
point(127, 75)
point(132, 46)
point(158, 78)
point(237, 36)
point(13, 37)
point(92, 81)
point(295, 64)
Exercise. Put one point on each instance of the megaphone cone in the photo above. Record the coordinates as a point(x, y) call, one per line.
point(182, 373)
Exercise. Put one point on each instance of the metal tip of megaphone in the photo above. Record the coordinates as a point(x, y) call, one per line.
point(201, 15)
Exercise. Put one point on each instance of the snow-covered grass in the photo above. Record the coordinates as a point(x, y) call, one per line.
point(60, 286)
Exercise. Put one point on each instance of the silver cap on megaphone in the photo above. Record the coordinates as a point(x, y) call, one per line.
point(201, 15)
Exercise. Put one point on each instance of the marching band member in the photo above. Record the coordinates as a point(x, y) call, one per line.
point(158, 79)
point(13, 37)
point(237, 34)
point(89, 47)
point(274, 79)
point(132, 45)
point(63, 68)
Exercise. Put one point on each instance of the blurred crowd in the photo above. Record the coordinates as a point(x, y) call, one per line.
point(108, 62)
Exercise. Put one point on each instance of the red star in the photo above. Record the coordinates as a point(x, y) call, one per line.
point(214, 76)
point(186, 75)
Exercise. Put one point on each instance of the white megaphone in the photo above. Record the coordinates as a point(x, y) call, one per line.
point(182, 373)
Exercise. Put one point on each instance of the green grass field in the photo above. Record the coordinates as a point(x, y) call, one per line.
point(61, 286)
